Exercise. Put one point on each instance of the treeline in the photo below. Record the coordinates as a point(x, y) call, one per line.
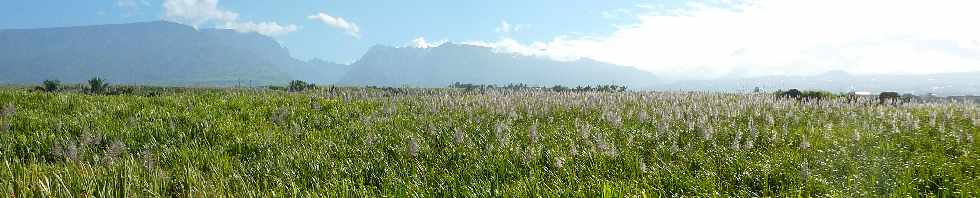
point(294, 86)
point(298, 86)
point(100, 86)
point(893, 98)
point(96, 86)
point(805, 95)
point(521, 86)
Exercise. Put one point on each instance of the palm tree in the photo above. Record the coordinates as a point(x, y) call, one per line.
point(97, 85)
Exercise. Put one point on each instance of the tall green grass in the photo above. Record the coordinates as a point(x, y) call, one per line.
point(443, 142)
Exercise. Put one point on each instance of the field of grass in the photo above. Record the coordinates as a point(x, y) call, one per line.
point(354, 142)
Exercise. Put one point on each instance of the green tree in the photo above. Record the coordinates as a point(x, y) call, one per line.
point(559, 88)
point(52, 85)
point(888, 97)
point(297, 85)
point(97, 85)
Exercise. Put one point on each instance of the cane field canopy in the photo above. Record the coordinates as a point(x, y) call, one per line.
point(450, 142)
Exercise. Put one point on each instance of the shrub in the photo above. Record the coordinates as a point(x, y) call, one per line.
point(120, 90)
point(887, 96)
point(97, 85)
point(559, 88)
point(807, 95)
point(792, 93)
point(299, 85)
point(906, 98)
point(277, 88)
point(51, 85)
point(816, 95)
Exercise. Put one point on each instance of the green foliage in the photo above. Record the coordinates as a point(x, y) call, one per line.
point(51, 85)
point(600, 88)
point(888, 97)
point(299, 85)
point(277, 88)
point(792, 93)
point(524, 87)
point(806, 95)
point(559, 88)
point(376, 142)
point(907, 97)
point(97, 85)
point(818, 95)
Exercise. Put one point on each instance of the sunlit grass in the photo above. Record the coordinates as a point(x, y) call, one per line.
point(441, 142)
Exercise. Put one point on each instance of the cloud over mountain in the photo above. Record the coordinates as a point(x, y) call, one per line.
point(202, 12)
point(771, 37)
point(337, 22)
point(439, 66)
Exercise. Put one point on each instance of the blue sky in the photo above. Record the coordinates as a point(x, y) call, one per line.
point(385, 22)
point(675, 39)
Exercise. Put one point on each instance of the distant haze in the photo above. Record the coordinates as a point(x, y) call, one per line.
point(448, 63)
point(674, 39)
point(781, 37)
point(167, 53)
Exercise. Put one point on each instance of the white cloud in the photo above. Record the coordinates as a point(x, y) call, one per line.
point(337, 22)
point(196, 12)
point(264, 28)
point(765, 37)
point(420, 42)
point(508, 45)
point(201, 12)
point(507, 28)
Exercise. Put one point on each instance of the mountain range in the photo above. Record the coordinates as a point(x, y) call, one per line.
point(150, 53)
point(167, 53)
point(449, 63)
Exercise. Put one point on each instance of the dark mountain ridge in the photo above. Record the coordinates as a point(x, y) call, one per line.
point(166, 53)
point(449, 63)
point(151, 53)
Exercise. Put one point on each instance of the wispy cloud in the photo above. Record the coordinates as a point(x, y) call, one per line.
point(507, 28)
point(264, 28)
point(765, 37)
point(196, 12)
point(543, 49)
point(201, 12)
point(420, 42)
point(131, 7)
point(337, 22)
